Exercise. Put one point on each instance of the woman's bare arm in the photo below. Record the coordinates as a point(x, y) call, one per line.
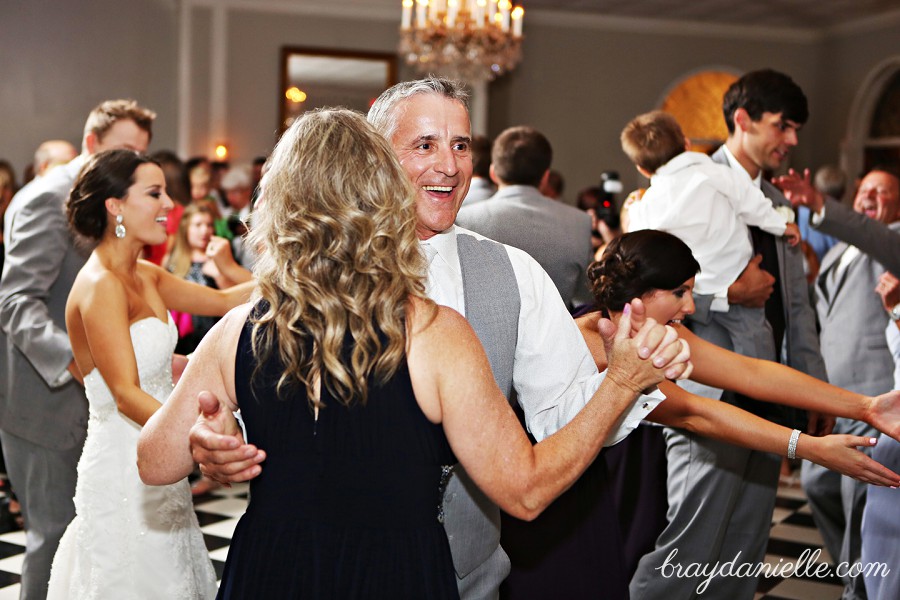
point(164, 450)
point(722, 421)
point(454, 385)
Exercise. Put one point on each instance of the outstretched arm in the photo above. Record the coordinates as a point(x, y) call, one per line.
point(727, 423)
point(187, 296)
point(454, 385)
point(164, 454)
point(773, 382)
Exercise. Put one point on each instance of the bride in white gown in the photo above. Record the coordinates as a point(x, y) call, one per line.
point(128, 540)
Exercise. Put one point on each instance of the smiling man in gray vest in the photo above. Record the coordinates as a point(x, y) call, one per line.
point(533, 345)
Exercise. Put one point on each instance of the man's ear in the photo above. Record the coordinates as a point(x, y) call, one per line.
point(90, 142)
point(742, 119)
point(493, 175)
point(545, 180)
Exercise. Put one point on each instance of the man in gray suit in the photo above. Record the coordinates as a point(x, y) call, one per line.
point(531, 341)
point(481, 187)
point(721, 497)
point(556, 235)
point(43, 413)
point(853, 343)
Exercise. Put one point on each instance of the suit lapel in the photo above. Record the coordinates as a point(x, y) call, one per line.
point(827, 284)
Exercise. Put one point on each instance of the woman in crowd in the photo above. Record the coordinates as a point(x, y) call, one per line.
point(199, 256)
point(128, 540)
point(359, 389)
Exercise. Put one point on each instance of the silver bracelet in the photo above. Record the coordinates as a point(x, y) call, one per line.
point(792, 444)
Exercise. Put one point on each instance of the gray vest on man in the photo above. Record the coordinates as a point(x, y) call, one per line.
point(471, 519)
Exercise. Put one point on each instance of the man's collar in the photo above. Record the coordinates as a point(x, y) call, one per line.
point(735, 164)
point(445, 243)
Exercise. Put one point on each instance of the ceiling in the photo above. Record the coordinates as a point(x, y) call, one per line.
point(802, 14)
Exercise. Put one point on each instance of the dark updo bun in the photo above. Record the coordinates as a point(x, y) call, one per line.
point(638, 263)
point(108, 174)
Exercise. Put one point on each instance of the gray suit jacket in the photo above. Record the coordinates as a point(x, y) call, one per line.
point(801, 342)
point(556, 235)
point(41, 264)
point(850, 311)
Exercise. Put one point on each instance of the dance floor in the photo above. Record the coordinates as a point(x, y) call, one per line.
point(793, 532)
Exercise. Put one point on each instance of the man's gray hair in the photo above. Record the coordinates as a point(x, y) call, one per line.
point(383, 114)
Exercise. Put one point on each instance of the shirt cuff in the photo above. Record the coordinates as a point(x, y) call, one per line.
point(720, 302)
point(816, 218)
point(643, 406)
point(63, 378)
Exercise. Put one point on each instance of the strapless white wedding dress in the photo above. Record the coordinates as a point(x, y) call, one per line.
point(130, 540)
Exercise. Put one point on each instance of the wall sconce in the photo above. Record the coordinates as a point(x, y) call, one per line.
point(221, 151)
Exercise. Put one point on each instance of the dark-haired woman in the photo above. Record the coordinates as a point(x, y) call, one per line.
point(128, 540)
point(659, 268)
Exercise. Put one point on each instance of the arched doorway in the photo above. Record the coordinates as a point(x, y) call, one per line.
point(873, 128)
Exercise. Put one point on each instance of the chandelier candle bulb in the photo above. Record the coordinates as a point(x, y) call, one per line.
point(517, 15)
point(421, 7)
point(452, 9)
point(505, 6)
point(406, 21)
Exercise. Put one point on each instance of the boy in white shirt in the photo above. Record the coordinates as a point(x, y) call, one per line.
point(708, 205)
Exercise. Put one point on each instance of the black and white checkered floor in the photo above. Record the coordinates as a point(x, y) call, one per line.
point(793, 532)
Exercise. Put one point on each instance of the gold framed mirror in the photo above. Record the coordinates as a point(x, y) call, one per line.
point(314, 77)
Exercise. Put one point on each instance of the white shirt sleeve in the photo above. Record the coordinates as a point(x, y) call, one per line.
point(753, 207)
point(554, 374)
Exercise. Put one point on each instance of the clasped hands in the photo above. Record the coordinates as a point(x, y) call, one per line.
point(641, 352)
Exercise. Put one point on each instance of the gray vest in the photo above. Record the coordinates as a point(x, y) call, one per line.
point(492, 304)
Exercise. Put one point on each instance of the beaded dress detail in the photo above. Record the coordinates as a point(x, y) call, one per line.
point(129, 540)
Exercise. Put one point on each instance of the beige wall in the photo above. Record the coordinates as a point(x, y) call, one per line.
point(580, 81)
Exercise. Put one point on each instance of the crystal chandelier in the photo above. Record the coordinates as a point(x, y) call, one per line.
point(472, 40)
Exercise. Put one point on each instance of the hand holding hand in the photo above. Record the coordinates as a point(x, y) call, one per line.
point(217, 444)
point(800, 190)
point(753, 287)
point(792, 234)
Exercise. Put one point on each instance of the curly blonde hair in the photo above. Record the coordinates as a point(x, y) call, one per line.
point(336, 226)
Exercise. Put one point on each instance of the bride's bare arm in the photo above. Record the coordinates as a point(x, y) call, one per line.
point(101, 305)
point(164, 451)
point(187, 296)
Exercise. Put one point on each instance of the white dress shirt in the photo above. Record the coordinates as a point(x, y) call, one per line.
point(709, 207)
point(554, 374)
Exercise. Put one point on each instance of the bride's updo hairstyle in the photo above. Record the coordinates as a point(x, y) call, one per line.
point(638, 263)
point(107, 174)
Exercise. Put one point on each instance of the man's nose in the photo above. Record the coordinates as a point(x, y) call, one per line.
point(447, 162)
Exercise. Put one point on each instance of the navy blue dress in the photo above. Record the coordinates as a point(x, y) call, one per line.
point(346, 506)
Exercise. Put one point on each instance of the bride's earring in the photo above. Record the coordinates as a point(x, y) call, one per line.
point(120, 229)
